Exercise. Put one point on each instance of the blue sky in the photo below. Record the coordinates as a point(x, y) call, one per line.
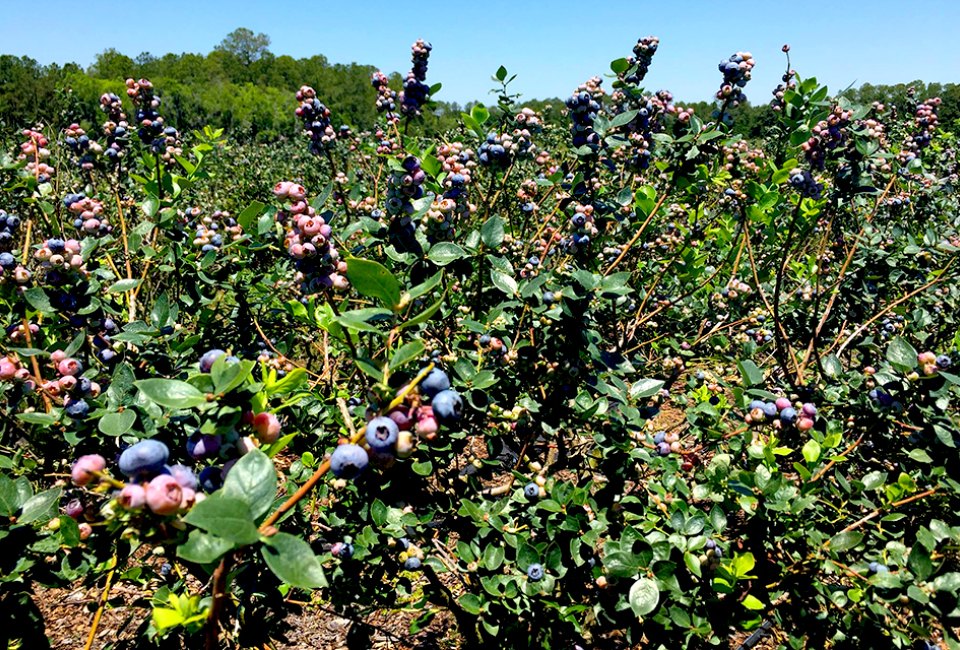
point(553, 46)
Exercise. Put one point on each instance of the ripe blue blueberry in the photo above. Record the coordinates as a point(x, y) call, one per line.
point(535, 572)
point(145, 457)
point(447, 406)
point(184, 476)
point(788, 415)
point(944, 362)
point(206, 361)
point(412, 564)
point(531, 491)
point(77, 409)
point(435, 382)
point(381, 434)
point(347, 461)
point(211, 478)
point(769, 409)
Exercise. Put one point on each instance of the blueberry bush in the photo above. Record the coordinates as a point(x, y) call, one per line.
point(621, 379)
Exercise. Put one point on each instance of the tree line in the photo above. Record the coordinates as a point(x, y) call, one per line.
point(244, 87)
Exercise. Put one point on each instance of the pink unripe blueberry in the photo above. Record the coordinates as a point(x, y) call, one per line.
point(267, 427)
point(85, 531)
point(69, 367)
point(7, 369)
point(782, 403)
point(164, 495)
point(804, 424)
point(925, 358)
point(74, 508)
point(57, 356)
point(132, 496)
point(82, 472)
point(188, 498)
point(809, 410)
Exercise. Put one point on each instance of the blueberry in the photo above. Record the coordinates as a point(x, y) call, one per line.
point(412, 564)
point(107, 355)
point(944, 362)
point(531, 491)
point(348, 461)
point(788, 415)
point(211, 478)
point(184, 476)
point(658, 437)
point(77, 409)
point(535, 572)
point(663, 449)
point(203, 446)
point(145, 457)
point(7, 261)
point(381, 434)
point(435, 382)
point(769, 409)
point(755, 404)
point(206, 361)
point(485, 339)
point(447, 406)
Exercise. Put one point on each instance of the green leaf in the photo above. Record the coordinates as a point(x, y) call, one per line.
point(292, 560)
point(372, 279)
point(251, 212)
point(117, 424)
point(752, 375)
point(471, 603)
point(150, 207)
point(752, 602)
point(226, 516)
point(253, 480)
point(172, 393)
point(493, 556)
point(203, 548)
point(503, 282)
point(902, 355)
point(480, 113)
point(9, 497)
point(645, 388)
point(811, 451)
point(492, 232)
point(406, 354)
point(644, 596)
point(845, 541)
point(123, 286)
point(40, 506)
point(37, 298)
point(623, 118)
point(443, 253)
point(501, 73)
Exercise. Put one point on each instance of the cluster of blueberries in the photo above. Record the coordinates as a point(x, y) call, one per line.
point(925, 121)
point(736, 72)
point(642, 57)
point(404, 186)
point(391, 436)
point(167, 489)
point(803, 181)
point(583, 228)
point(85, 149)
point(782, 412)
point(87, 214)
point(9, 225)
point(415, 91)
point(116, 129)
point(583, 109)
point(162, 140)
point(71, 386)
point(386, 96)
point(34, 152)
point(316, 120)
point(309, 241)
point(495, 151)
point(211, 230)
point(828, 135)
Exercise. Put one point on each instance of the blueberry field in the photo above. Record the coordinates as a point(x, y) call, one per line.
point(611, 371)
